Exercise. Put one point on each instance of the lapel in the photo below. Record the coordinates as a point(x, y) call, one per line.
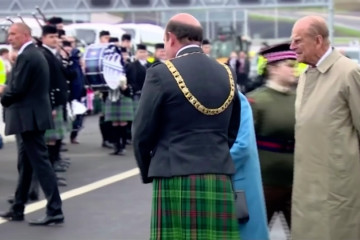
point(140, 66)
point(29, 47)
point(309, 79)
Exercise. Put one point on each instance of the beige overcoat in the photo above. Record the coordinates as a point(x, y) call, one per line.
point(326, 190)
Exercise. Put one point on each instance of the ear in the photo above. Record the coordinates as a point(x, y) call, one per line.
point(319, 40)
point(172, 38)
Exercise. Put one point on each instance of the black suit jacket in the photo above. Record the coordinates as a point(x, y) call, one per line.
point(135, 74)
point(170, 136)
point(26, 97)
point(58, 79)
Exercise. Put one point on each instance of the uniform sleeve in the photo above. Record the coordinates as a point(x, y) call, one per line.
point(255, 112)
point(146, 122)
point(353, 94)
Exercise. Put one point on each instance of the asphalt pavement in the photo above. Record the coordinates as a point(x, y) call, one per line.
point(119, 210)
point(118, 207)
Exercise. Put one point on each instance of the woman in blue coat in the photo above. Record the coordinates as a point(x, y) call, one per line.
point(248, 177)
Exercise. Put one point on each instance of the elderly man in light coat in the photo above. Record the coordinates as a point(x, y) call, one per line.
point(326, 190)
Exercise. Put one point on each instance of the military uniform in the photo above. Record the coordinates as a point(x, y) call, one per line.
point(274, 118)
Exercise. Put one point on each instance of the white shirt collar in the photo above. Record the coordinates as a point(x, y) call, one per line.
point(328, 52)
point(186, 47)
point(142, 62)
point(52, 50)
point(24, 46)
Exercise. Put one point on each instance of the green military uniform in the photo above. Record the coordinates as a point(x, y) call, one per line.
point(274, 119)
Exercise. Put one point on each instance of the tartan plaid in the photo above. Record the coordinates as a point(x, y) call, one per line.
point(196, 207)
point(121, 110)
point(59, 130)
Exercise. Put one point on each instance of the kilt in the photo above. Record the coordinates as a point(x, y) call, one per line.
point(196, 207)
point(60, 127)
point(121, 110)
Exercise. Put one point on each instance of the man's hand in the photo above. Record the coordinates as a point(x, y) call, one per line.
point(2, 89)
point(53, 113)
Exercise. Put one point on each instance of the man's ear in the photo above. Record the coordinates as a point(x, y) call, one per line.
point(172, 38)
point(319, 40)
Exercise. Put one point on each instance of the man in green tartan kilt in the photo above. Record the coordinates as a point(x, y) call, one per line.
point(119, 111)
point(187, 120)
point(58, 94)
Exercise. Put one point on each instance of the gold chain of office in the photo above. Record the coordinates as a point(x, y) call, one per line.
point(193, 100)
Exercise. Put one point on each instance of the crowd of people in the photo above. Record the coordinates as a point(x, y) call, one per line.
point(65, 73)
point(290, 145)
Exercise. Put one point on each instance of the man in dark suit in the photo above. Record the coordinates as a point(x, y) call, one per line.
point(186, 122)
point(28, 114)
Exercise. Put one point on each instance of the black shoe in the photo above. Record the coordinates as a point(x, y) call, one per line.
point(67, 159)
point(107, 144)
point(33, 197)
point(58, 168)
point(57, 219)
point(11, 199)
point(12, 216)
point(120, 152)
point(60, 178)
point(63, 149)
point(61, 182)
point(63, 164)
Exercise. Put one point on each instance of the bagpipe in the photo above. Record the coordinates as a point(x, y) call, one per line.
point(37, 40)
point(104, 65)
